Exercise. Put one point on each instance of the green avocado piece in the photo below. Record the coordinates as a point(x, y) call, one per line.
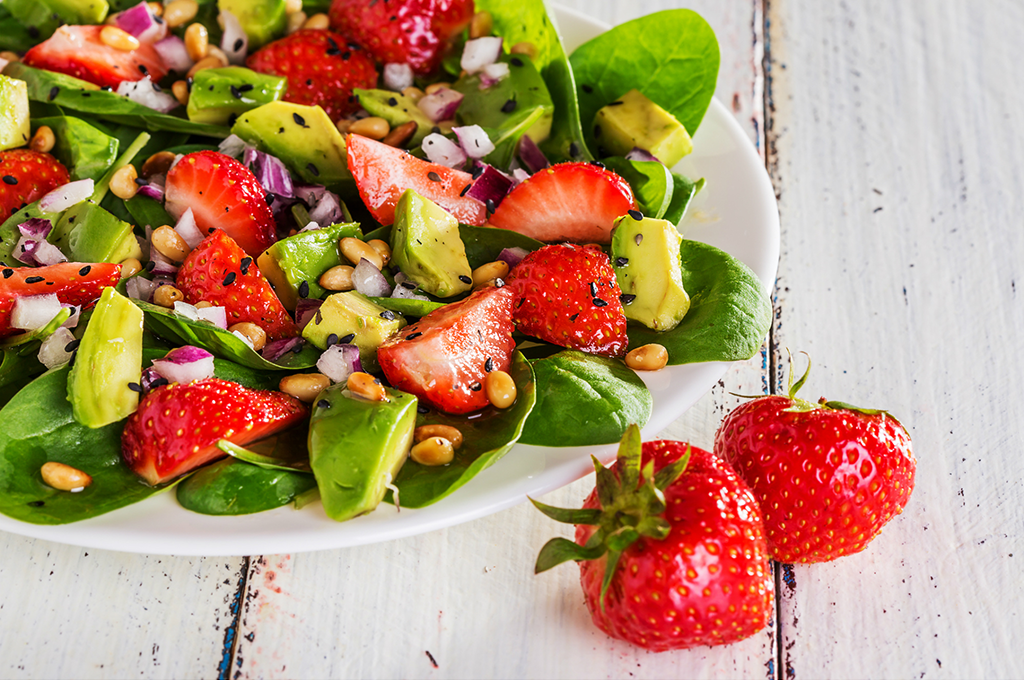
point(108, 360)
point(352, 313)
point(85, 150)
point(15, 130)
point(357, 447)
point(397, 109)
point(304, 138)
point(645, 255)
point(262, 20)
point(88, 233)
point(633, 120)
point(302, 258)
point(220, 95)
point(426, 246)
point(510, 101)
point(46, 15)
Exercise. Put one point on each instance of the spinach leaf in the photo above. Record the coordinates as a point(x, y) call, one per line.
point(39, 427)
point(730, 311)
point(671, 57)
point(651, 182)
point(147, 212)
point(585, 400)
point(484, 244)
point(407, 307)
point(286, 451)
point(485, 439)
point(683, 191)
point(233, 487)
point(86, 150)
point(18, 365)
point(13, 34)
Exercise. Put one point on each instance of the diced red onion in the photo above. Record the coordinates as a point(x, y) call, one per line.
point(234, 42)
point(139, 288)
point(443, 151)
point(480, 52)
point(218, 316)
point(161, 265)
point(403, 293)
point(519, 175)
point(188, 230)
point(275, 349)
point(151, 380)
point(305, 310)
point(52, 352)
point(174, 54)
point(308, 193)
point(72, 321)
point(141, 23)
point(144, 92)
point(67, 195)
point(531, 155)
point(185, 364)
point(190, 312)
point(325, 208)
point(368, 280)
point(272, 174)
point(397, 77)
point(474, 141)
point(340, 361)
point(513, 256)
point(311, 226)
point(34, 311)
point(47, 254)
point(638, 154)
point(36, 227)
point(37, 252)
point(491, 74)
point(154, 191)
point(234, 146)
point(441, 104)
point(492, 185)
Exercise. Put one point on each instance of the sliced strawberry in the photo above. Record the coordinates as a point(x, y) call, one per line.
point(416, 32)
point(383, 172)
point(444, 358)
point(567, 202)
point(569, 297)
point(219, 272)
point(321, 70)
point(223, 194)
point(176, 427)
point(27, 176)
point(78, 51)
point(74, 283)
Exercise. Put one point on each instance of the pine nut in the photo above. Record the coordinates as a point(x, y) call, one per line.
point(414, 93)
point(7, 55)
point(119, 39)
point(481, 25)
point(318, 22)
point(64, 477)
point(372, 127)
point(382, 248)
point(201, 65)
point(43, 140)
point(500, 389)
point(292, 6)
point(197, 41)
point(305, 387)
point(337, 278)
point(170, 244)
point(256, 336)
point(485, 274)
point(434, 87)
point(295, 21)
point(180, 91)
point(166, 296)
point(399, 136)
point(366, 386)
point(433, 451)
point(130, 267)
point(156, 8)
point(122, 183)
point(343, 125)
point(448, 432)
point(525, 48)
point(218, 53)
point(180, 12)
point(651, 357)
point(160, 162)
point(203, 304)
point(354, 250)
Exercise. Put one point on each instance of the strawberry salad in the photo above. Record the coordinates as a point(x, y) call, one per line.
point(275, 252)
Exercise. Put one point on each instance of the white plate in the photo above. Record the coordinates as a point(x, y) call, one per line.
point(736, 212)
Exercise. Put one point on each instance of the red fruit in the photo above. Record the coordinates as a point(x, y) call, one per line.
point(176, 427)
point(79, 52)
point(223, 194)
point(27, 177)
point(569, 296)
point(444, 357)
point(219, 272)
point(74, 283)
point(828, 476)
point(690, 571)
point(322, 70)
point(567, 202)
point(416, 32)
point(383, 172)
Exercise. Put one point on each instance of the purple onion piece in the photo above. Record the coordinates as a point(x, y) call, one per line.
point(218, 316)
point(234, 42)
point(143, 92)
point(305, 310)
point(35, 228)
point(440, 105)
point(188, 229)
point(139, 288)
point(271, 173)
point(185, 364)
point(531, 155)
point(519, 176)
point(186, 355)
point(368, 280)
point(513, 256)
point(66, 195)
point(309, 193)
point(492, 74)
point(480, 52)
point(153, 191)
point(151, 380)
point(492, 185)
point(174, 54)
point(135, 20)
point(397, 77)
point(474, 141)
point(443, 151)
point(275, 349)
point(638, 154)
point(237, 148)
point(34, 311)
point(340, 361)
point(326, 210)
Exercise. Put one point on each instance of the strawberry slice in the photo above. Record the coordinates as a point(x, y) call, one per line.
point(176, 427)
point(74, 283)
point(570, 297)
point(27, 177)
point(78, 51)
point(383, 172)
point(223, 194)
point(444, 357)
point(567, 202)
point(219, 272)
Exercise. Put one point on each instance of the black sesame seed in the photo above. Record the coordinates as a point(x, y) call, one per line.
point(593, 289)
point(159, 382)
point(8, 273)
point(141, 182)
point(345, 56)
point(10, 179)
point(332, 339)
point(135, 387)
point(34, 279)
point(297, 349)
point(313, 169)
point(433, 176)
point(598, 164)
point(477, 171)
point(509, 106)
point(488, 365)
point(36, 504)
point(638, 239)
point(299, 120)
point(598, 302)
point(323, 403)
point(392, 102)
point(476, 387)
point(621, 261)
point(465, 279)
point(413, 336)
point(71, 361)
point(587, 88)
point(244, 265)
point(72, 346)
point(626, 298)
point(574, 316)
point(54, 91)
point(515, 61)
point(245, 88)
point(239, 44)
point(319, 318)
point(348, 339)
point(465, 189)
point(409, 284)
point(229, 279)
point(574, 150)
point(489, 203)
point(636, 215)
point(304, 290)
point(156, 87)
point(150, 266)
point(333, 49)
point(617, 103)
point(435, 130)
point(387, 315)
point(143, 70)
point(422, 409)
point(269, 198)
point(235, 92)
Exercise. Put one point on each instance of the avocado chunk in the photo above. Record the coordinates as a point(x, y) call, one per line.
point(108, 360)
point(645, 255)
point(15, 129)
point(304, 138)
point(88, 233)
point(353, 314)
point(301, 259)
point(45, 16)
point(357, 447)
point(262, 20)
point(426, 246)
point(633, 120)
point(220, 95)
point(397, 109)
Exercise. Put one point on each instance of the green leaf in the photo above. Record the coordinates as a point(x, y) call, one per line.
point(408, 307)
point(607, 484)
point(87, 151)
point(559, 550)
point(671, 57)
point(568, 515)
point(621, 538)
point(667, 475)
point(18, 366)
point(628, 458)
point(730, 311)
point(585, 400)
point(652, 183)
point(147, 212)
point(13, 34)
point(38, 334)
point(683, 191)
point(611, 564)
point(285, 451)
point(484, 244)
point(657, 528)
point(233, 487)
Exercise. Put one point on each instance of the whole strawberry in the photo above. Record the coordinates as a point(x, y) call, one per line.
point(672, 556)
point(828, 476)
point(26, 177)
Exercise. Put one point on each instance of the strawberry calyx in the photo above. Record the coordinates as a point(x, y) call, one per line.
point(632, 505)
point(802, 405)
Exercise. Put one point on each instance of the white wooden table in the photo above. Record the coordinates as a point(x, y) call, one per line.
point(891, 133)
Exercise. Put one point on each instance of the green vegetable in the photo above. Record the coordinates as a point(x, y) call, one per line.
point(286, 451)
point(651, 182)
point(85, 150)
point(407, 307)
point(234, 487)
point(683, 191)
point(13, 34)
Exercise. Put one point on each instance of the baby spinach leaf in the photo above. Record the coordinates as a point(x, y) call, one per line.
point(671, 57)
point(486, 438)
point(730, 311)
point(585, 400)
point(651, 182)
point(13, 34)
point(18, 365)
point(234, 487)
point(407, 307)
point(683, 191)
point(286, 451)
point(39, 427)
point(147, 212)
point(86, 150)
point(484, 244)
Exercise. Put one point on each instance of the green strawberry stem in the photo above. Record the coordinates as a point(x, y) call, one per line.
point(804, 405)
